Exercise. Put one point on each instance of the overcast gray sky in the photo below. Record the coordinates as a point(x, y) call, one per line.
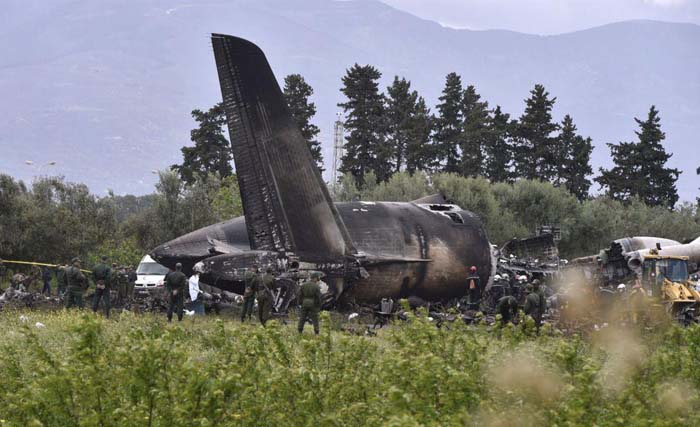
point(547, 16)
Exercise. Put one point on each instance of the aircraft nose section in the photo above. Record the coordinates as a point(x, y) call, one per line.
point(162, 254)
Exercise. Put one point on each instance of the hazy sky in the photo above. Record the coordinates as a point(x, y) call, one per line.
point(547, 16)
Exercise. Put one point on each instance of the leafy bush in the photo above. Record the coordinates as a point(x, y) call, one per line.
point(140, 371)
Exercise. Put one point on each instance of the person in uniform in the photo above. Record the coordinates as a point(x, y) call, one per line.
point(61, 279)
point(102, 275)
point(46, 277)
point(176, 284)
point(310, 302)
point(131, 278)
point(76, 284)
point(474, 288)
point(507, 307)
point(534, 303)
point(251, 278)
point(264, 294)
point(121, 283)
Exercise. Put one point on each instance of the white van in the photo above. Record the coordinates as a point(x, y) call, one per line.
point(149, 274)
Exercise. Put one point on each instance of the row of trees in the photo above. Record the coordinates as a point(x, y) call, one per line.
point(54, 221)
point(396, 131)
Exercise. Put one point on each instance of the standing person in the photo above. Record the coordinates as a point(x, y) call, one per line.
point(176, 284)
point(533, 303)
point(196, 294)
point(46, 277)
point(102, 275)
point(131, 278)
point(507, 307)
point(76, 284)
point(474, 288)
point(120, 283)
point(267, 284)
point(252, 280)
point(310, 302)
point(61, 279)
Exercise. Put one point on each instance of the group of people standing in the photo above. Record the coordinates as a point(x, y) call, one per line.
point(106, 279)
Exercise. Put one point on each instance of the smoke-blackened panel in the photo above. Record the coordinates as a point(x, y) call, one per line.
point(286, 203)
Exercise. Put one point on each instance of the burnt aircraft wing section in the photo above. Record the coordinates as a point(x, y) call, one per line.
point(286, 203)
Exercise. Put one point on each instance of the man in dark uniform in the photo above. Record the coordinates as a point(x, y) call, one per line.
point(131, 278)
point(46, 276)
point(61, 279)
point(120, 283)
point(267, 285)
point(507, 307)
point(102, 275)
point(176, 284)
point(76, 284)
point(474, 288)
point(535, 303)
point(310, 302)
point(252, 279)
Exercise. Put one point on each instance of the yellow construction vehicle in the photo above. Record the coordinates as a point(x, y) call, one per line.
point(666, 278)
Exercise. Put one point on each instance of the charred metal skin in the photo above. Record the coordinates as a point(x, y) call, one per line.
point(407, 249)
point(368, 251)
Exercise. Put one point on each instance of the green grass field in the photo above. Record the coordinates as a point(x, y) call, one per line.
point(77, 369)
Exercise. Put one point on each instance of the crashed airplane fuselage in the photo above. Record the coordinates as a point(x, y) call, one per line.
point(368, 250)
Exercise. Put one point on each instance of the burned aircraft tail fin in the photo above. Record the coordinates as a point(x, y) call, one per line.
point(285, 201)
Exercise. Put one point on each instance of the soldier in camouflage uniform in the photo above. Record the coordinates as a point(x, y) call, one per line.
point(76, 284)
point(265, 298)
point(310, 302)
point(176, 284)
point(507, 307)
point(121, 283)
point(102, 275)
point(61, 279)
point(252, 280)
point(535, 303)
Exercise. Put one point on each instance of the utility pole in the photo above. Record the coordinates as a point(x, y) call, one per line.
point(338, 143)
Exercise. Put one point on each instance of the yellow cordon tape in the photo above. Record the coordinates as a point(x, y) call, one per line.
point(4, 261)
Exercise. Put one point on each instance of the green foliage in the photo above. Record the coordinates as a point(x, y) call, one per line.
point(297, 93)
point(518, 209)
point(140, 371)
point(365, 148)
point(639, 169)
point(211, 153)
point(448, 125)
point(573, 160)
point(475, 132)
point(535, 142)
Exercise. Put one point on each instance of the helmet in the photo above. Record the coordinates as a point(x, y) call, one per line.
point(504, 276)
point(178, 266)
point(497, 277)
point(621, 287)
point(74, 260)
point(316, 274)
point(522, 278)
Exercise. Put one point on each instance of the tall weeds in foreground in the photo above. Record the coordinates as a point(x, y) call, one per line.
point(82, 370)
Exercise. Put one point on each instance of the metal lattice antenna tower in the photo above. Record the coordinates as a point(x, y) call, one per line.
point(338, 143)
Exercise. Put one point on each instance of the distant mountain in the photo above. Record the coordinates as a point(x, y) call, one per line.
point(105, 88)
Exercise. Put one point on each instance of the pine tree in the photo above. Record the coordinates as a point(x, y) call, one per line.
point(573, 160)
point(535, 147)
point(639, 169)
point(475, 130)
point(400, 110)
point(448, 132)
point(498, 147)
point(420, 152)
point(661, 181)
point(211, 152)
point(365, 148)
point(297, 93)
